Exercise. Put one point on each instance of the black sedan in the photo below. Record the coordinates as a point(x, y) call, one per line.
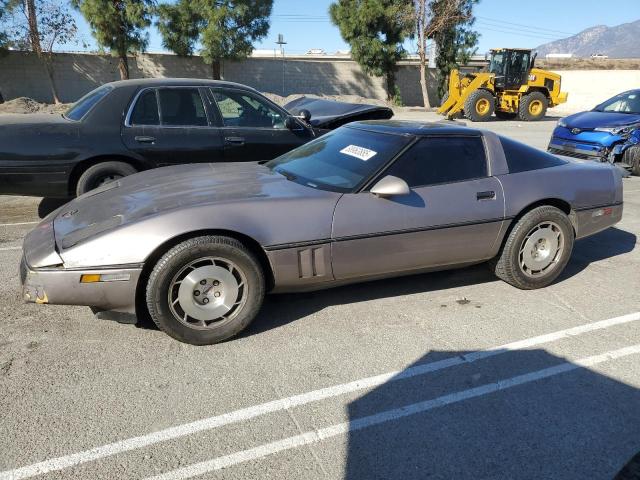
point(124, 127)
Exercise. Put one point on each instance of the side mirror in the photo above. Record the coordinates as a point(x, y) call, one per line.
point(390, 186)
point(291, 124)
point(305, 115)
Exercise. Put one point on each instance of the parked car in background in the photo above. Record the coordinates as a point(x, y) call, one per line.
point(608, 133)
point(124, 127)
point(197, 246)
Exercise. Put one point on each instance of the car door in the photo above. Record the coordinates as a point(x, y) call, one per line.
point(170, 125)
point(452, 215)
point(254, 128)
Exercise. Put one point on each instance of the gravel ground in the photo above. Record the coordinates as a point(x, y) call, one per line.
point(563, 406)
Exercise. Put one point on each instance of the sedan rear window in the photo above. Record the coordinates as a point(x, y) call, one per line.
point(79, 109)
point(522, 158)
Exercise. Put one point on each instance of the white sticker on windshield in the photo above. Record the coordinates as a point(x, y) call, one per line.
point(358, 152)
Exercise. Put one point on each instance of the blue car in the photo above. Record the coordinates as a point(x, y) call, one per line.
point(608, 133)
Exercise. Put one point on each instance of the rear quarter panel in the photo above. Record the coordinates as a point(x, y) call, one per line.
point(584, 185)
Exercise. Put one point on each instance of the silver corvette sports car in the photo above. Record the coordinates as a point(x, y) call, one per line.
point(198, 246)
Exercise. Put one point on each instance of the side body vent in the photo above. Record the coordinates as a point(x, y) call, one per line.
point(311, 262)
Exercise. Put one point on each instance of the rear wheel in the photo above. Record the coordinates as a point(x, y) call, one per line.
point(537, 249)
point(533, 107)
point(205, 290)
point(101, 173)
point(632, 158)
point(479, 106)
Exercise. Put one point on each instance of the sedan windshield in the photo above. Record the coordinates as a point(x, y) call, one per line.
point(339, 161)
point(627, 102)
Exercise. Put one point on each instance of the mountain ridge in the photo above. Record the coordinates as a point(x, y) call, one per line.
point(616, 42)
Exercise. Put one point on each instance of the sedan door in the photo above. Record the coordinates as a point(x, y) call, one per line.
point(453, 214)
point(170, 125)
point(253, 128)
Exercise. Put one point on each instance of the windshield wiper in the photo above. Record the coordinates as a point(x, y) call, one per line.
point(287, 175)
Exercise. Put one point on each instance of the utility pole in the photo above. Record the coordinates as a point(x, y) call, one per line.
point(282, 43)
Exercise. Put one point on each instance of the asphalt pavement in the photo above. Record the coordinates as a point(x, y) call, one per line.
point(444, 375)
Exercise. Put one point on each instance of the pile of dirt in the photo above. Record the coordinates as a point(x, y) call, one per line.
point(339, 98)
point(29, 105)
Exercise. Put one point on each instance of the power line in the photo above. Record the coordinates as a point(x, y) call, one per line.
point(514, 31)
point(525, 26)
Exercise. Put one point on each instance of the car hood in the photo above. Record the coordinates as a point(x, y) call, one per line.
point(593, 119)
point(168, 189)
point(330, 114)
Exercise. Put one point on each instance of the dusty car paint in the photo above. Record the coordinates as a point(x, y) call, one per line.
point(309, 238)
point(44, 155)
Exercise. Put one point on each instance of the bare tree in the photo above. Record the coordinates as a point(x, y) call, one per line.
point(39, 26)
point(431, 18)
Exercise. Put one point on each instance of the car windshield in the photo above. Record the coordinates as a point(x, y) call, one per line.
point(86, 103)
point(627, 102)
point(339, 161)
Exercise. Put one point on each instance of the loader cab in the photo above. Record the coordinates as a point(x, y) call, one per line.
point(510, 67)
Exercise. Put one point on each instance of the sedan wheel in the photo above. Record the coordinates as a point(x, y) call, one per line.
point(536, 250)
point(205, 290)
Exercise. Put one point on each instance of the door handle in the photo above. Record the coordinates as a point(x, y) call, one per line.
point(234, 140)
point(143, 139)
point(488, 195)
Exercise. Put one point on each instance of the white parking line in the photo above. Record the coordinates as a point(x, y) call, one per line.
point(387, 416)
point(236, 416)
point(8, 249)
point(15, 224)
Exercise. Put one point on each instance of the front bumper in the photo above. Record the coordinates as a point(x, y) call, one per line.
point(585, 151)
point(60, 286)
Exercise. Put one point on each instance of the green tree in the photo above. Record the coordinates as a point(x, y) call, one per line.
point(224, 29)
point(375, 30)
point(434, 17)
point(455, 44)
point(118, 25)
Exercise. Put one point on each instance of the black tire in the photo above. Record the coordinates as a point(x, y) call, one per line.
point(631, 157)
point(102, 173)
point(533, 107)
point(506, 115)
point(472, 106)
point(508, 266)
point(247, 271)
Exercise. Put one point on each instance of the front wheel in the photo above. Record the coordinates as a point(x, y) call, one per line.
point(205, 290)
point(537, 249)
point(479, 106)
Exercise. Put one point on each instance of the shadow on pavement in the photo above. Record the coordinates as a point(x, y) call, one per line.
point(578, 424)
point(279, 310)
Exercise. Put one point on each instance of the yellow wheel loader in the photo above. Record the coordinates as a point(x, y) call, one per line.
point(512, 88)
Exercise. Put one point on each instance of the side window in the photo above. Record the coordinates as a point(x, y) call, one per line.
point(182, 107)
point(145, 112)
point(242, 109)
point(522, 158)
point(441, 160)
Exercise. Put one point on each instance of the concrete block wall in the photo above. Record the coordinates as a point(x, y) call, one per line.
point(22, 75)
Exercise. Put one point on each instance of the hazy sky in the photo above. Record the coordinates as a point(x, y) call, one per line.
point(502, 23)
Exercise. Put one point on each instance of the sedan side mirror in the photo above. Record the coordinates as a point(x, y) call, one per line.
point(304, 115)
point(390, 186)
